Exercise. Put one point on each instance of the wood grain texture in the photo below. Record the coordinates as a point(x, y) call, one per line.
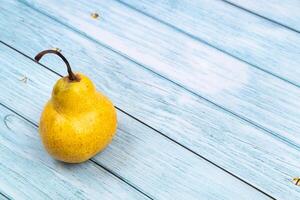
point(3, 197)
point(145, 158)
point(27, 172)
point(249, 93)
point(255, 156)
point(241, 34)
point(284, 12)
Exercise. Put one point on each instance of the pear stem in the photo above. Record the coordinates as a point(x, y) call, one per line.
point(72, 76)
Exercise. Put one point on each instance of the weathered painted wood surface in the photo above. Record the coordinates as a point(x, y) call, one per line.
point(253, 95)
point(243, 35)
point(197, 118)
point(144, 158)
point(285, 12)
point(197, 122)
point(3, 197)
point(27, 171)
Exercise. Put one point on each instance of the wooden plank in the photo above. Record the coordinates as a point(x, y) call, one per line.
point(27, 172)
point(255, 40)
point(283, 12)
point(244, 150)
point(3, 197)
point(253, 95)
point(143, 157)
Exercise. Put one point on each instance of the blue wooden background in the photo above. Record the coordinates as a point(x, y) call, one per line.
point(207, 92)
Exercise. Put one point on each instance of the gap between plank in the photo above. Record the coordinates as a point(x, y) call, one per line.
point(166, 24)
point(121, 178)
point(258, 15)
point(91, 160)
point(5, 196)
point(285, 140)
point(138, 120)
point(257, 125)
point(197, 39)
point(149, 69)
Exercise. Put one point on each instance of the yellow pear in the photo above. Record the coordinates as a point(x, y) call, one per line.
point(78, 121)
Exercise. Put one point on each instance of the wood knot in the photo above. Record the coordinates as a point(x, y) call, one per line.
point(24, 79)
point(7, 120)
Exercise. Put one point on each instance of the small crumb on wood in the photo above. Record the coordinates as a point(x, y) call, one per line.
point(94, 15)
point(56, 49)
point(24, 79)
point(296, 181)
